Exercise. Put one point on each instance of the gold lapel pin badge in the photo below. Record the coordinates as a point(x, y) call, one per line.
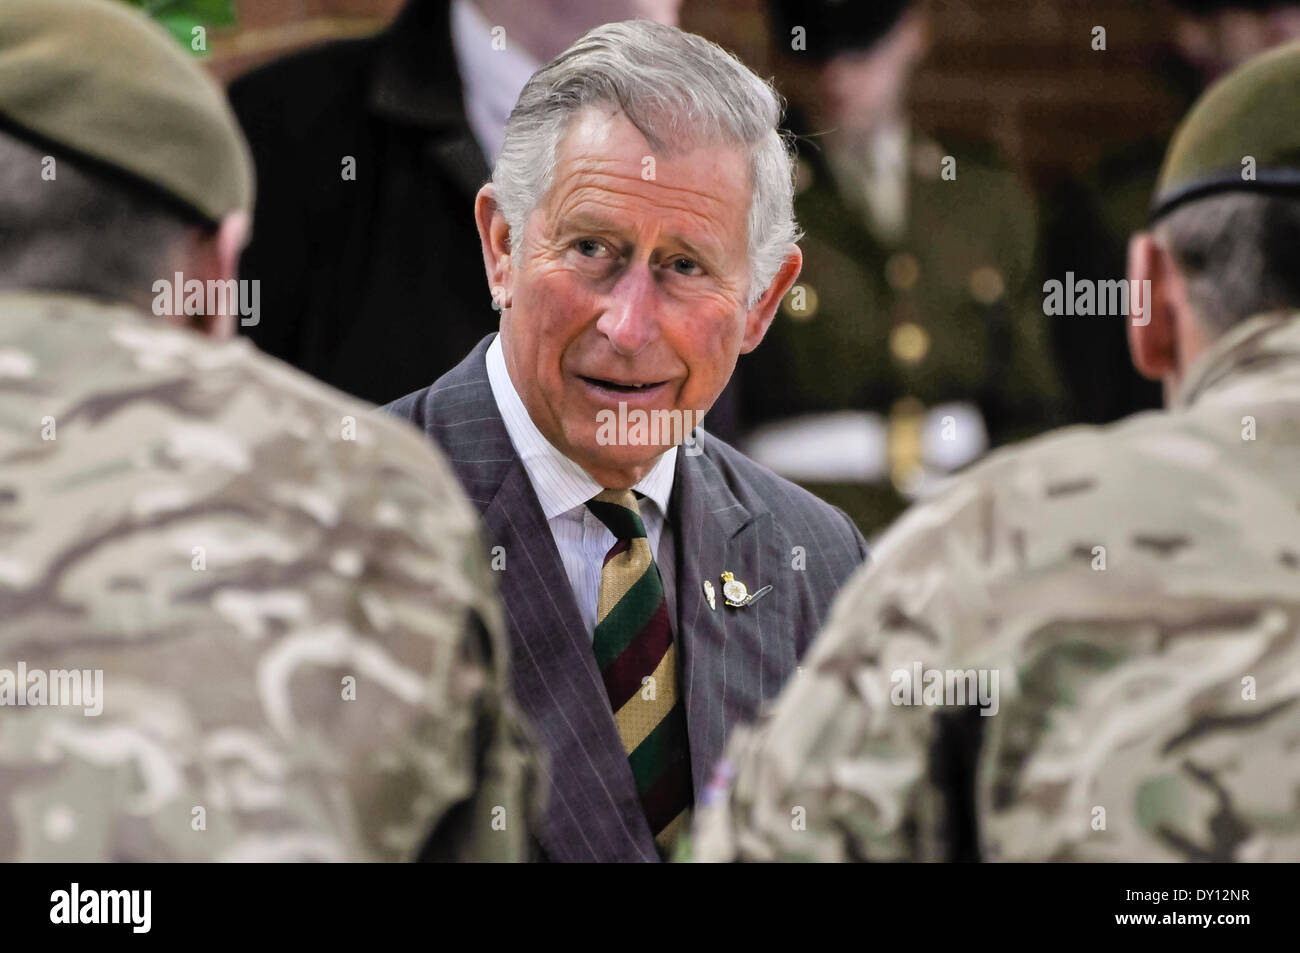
point(736, 593)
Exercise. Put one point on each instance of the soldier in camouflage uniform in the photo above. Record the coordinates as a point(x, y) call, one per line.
point(241, 617)
point(914, 338)
point(1134, 590)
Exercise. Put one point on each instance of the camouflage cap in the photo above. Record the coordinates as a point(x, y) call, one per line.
point(1243, 134)
point(112, 90)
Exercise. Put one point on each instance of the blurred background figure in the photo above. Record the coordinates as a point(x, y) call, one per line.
point(1215, 36)
point(1089, 219)
point(369, 153)
point(909, 345)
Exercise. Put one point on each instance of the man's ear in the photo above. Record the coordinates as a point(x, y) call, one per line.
point(213, 256)
point(494, 237)
point(1154, 345)
point(759, 318)
point(232, 236)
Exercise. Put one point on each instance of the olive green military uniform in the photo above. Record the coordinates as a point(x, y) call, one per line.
point(927, 345)
point(241, 617)
point(1087, 647)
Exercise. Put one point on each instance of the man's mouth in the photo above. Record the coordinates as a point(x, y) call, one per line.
point(622, 387)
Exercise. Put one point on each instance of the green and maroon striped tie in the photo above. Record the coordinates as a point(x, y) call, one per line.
point(637, 660)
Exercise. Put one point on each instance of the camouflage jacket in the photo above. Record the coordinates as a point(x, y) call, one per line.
point(1122, 607)
point(241, 616)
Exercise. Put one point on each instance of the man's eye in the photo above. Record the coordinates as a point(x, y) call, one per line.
point(687, 266)
point(591, 248)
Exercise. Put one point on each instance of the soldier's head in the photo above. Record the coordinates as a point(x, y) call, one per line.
point(120, 162)
point(638, 234)
point(1225, 225)
point(1214, 36)
point(853, 62)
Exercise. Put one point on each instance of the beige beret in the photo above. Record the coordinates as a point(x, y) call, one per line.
point(1243, 135)
point(107, 86)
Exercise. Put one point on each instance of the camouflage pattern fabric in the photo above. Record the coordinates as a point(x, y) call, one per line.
point(302, 657)
point(1137, 590)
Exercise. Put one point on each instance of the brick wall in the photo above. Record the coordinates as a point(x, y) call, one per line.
point(1025, 72)
point(271, 28)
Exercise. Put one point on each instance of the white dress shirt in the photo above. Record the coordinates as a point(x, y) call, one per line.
point(563, 488)
point(491, 79)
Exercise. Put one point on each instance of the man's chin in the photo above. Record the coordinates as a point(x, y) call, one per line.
point(614, 455)
point(650, 430)
point(613, 464)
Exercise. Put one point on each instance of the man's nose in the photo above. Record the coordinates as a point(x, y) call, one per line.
point(629, 320)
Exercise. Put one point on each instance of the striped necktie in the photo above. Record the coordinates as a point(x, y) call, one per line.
point(637, 660)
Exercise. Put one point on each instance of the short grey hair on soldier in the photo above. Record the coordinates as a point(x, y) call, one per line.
point(78, 234)
point(681, 92)
point(1237, 253)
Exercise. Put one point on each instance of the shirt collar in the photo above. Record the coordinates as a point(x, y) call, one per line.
point(560, 484)
point(492, 78)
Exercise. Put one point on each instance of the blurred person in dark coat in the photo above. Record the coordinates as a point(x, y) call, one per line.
point(369, 153)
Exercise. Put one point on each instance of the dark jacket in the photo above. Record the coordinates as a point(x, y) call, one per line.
point(727, 514)
point(374, 285)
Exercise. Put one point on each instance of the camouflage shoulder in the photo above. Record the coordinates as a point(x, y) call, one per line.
point(278, 590)
point(1074, 501)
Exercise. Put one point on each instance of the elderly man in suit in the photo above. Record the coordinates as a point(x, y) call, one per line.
point(638, 235)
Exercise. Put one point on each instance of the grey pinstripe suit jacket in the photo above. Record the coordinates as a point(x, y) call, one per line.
point(728, 513)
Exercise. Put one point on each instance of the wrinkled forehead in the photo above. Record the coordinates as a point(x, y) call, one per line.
point(603, 160)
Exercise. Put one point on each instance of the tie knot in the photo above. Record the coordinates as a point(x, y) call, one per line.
point(618, 510)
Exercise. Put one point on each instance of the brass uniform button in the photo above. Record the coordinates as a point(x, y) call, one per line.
point(800, 302)
point(905, 446)
point(909, 342)
point(902, 271)
point(986, 285)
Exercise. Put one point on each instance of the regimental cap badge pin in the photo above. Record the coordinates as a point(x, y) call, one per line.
point(709, 594)
point(736, 594)
point(734, 590)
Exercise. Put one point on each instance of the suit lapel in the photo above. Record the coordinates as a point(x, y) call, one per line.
point(733, 658)
point(593, 813)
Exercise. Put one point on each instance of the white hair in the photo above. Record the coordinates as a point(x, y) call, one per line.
point(681, 92)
